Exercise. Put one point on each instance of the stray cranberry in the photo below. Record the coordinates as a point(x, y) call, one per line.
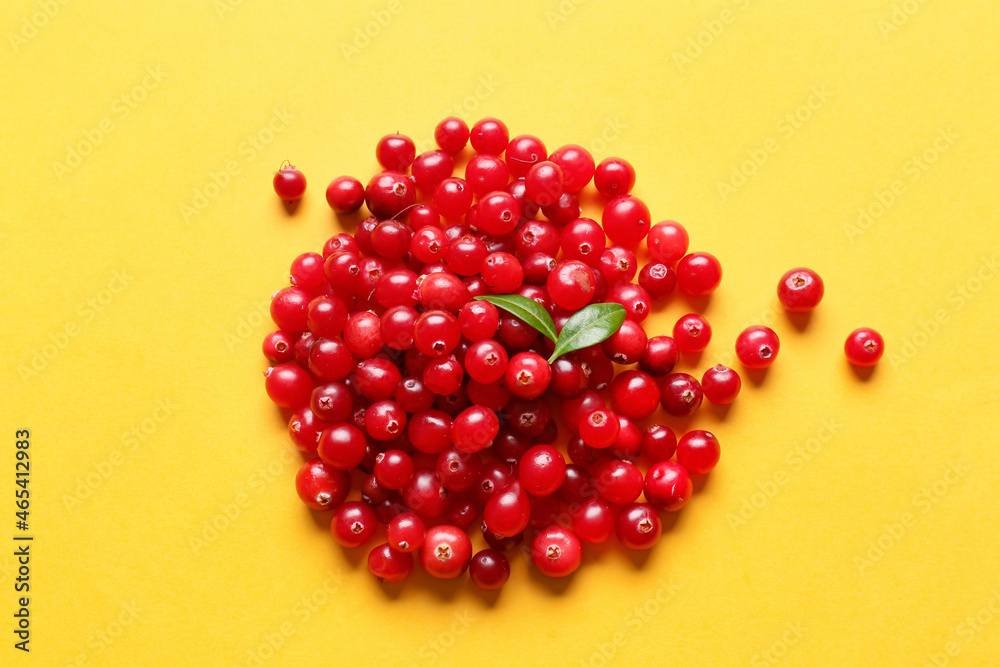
point(864, 347)
point(698, 451)
point(446, 551)
point(345, 194)
point(556, 551)
point(638, 526)
point(489, 569)
point(721, 384)
point(698, 274)
point(289, 183)
point(757, 346)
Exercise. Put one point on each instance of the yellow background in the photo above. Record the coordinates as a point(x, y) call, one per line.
point(851, 521)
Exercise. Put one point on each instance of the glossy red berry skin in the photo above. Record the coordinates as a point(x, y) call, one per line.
point(486, 361)
point(660, 357)
point(279, 347)
point(444, 291)
point(757, 347)
point(543, 184)
point(523, 151)
point(307, 271)
point(638, 526)
point(800, 290)
point(507, 510)
point(452, 197)
point(289, 183)
point(571, 284)
point(634, 394)
point(363, 334)
point(692, 333)
point(667, 241)
point(342, 446)
point(721, 384)
point(486, 173)
point(502, 272)
point(465, 255)
point(478, 320)
point(698, 451)
point(668, 486)
point(290, 309)
point(393, 469)
point(633, 298)
point(405, 532)
point(542, 470)
point(305, 429)
point(658, 443)
point(489, 569)
point(436, 333)
point(497, 213)
point(556, 551)
point(474, 429)
point(321, 487)
point(698, 274)
point(430, 168)
point(489, 136)
point(446, 552)
point(627, 345)
point(443, 376)
point(593, 521)
point(864, 347)
point(584, 240)
point(425, 495)
point(618, 482)
point(353, 524)
point(614, 176)
point(288, 385)
point(600, 428)
point(528, 375)
point(617, 264)
point(430, 431)
point(376, 379)
point(388, 193)
point(658, 279)
point(626, 220)
point(451, 134)
point(680, 394)
point(395, 152)
point(577, 165)
point(388, 564)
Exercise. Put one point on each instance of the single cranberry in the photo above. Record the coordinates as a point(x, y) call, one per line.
point(478, 320)
point(451, 134)
point(528, 417)
point(544, 183)
point(571, 284)
point(288, 385)
point(341, 242)
point(583, 239)
point(692, 333)
point(721, 384)
point(528, 375)
point(617, 264)
point(542, 470)
point(279, 347)
point(634, 298)
point(502, 272)
point(452, 197)
point(698, 274)
point(667, 486)
point(507, 510)
point(698, 451)
point(443, 291)
point(289, 183)
point(353, 524)
point(332, 402)
point(680, 394)
point(577, 165)
point(486, 173)
point(395, 152)
point(628, 344)
point(428, 244)
point(658, 443)
point(474, 429)
point(486, 361)
point(626, 220)
point(465, 255)
point(459, 471)
point(657, 279)
point(385, 420)
point(446, 552)
point(522, 152)
point(345, 194)
point(388, 194)
point(593, 521)
point(569, 378)
point(660, 356)
point(614, 176)
point(634, 394)
point(618, 482)
point(290, 309)
point(425, 495)
point(497, 213)
point(444, 375)
point(564, 210)
point(396, 327)
point(430, 168)
point(388, 564)
point(436, 333)
point(757, 346)
point(600, 428)
point(489, 136)
point(430, 431)
point(556, 551)
point(864, 347)
point(489, 569)
point(800, 290)
point(667, 241)
point(638, 526)
point(320, 486)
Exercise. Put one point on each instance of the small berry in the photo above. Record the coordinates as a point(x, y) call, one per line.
point(451, 134)
point(800, 290)
point(698, 274)
point(614, 176)
point(388, 564)
point(692, 333)
point(668, 486)
point(638, 526)
point(288, 385)
point(556, 551)
point(660, 356)
point(405, 532)
point(446, 552)
point(430, 168)
point(345, 194)
point(393, 468)
point(507, 510)
point(757, 347)
point(577, 165)
point(523, 151)
point(489, 136)
point(542, 470)
point(600, 428)
point(289, 183)
point(571, 284)
point(658, 443)
point(634, 394)
point(395, 152)
point(489, 569)
point(593, 521)
point(528, 375)
point(321, 487)
point(864, 347)
point(474, 429)
point(698, 451)
point(680, 394)
point(388, 194)
point(658, 279)
point(626, 220)
point(353, 524)
point(544, 183)
point(667, 241)
point(486, 173)
point(618, 482)
point(721, 384)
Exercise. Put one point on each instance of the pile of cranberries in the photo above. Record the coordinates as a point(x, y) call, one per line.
point(443, 411)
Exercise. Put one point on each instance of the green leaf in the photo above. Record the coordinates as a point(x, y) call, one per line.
point(533, 314)
point(589, 326)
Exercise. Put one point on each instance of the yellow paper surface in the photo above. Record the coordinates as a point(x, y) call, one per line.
point(852, 520)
